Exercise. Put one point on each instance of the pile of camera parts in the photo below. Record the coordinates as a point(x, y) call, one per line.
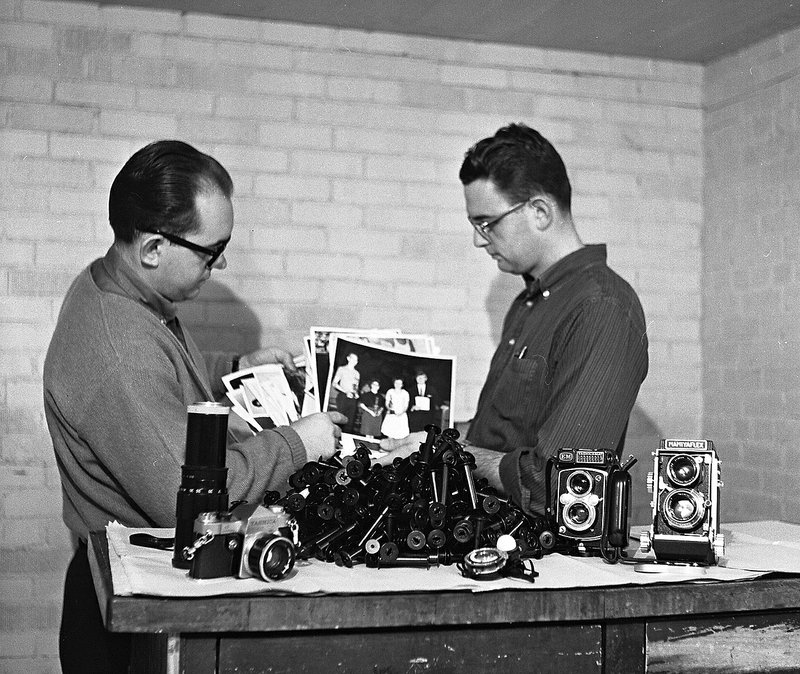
point(421, 511)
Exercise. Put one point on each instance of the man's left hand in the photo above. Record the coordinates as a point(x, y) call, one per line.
point(269, 355)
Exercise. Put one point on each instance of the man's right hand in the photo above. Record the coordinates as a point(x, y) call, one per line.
point(320, 434)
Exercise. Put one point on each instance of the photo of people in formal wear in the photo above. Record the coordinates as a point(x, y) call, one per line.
point(371, 403)
point(395, 425)
point(396, 391)
point(344, 386)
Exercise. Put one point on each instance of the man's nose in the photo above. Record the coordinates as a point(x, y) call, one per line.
point(220, 263)
point(478, 240)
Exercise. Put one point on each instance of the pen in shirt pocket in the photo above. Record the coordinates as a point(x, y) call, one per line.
point(521, 354)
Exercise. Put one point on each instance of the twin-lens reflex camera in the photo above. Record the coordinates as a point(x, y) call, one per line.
point(685, 484)
point(591, 502)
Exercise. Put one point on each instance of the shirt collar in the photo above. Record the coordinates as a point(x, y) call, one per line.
point(566, 268)
point(116, 275)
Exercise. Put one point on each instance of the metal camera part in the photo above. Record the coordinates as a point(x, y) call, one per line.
point(251, 540)
point(685, 485)
point(203, 486)
point(484, 562)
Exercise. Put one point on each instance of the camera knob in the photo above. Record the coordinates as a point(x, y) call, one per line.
point(644, 541)
point(651, 482)
point(719, 545)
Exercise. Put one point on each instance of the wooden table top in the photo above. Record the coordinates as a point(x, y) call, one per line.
point(258, 613)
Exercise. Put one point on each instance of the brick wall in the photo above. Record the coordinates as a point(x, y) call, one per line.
point(751, 297)
point(344, 147)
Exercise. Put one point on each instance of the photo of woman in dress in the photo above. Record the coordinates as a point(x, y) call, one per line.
point(371, 403)
point(395, 424)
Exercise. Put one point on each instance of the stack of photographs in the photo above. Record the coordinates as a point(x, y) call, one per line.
point(385, 382)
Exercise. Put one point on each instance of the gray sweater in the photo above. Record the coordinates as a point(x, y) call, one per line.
point(117, 383)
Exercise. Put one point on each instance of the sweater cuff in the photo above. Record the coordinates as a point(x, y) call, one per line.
point(297, 449)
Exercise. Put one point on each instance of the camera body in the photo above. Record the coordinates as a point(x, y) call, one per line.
point(685, 484)
point(591, 502)
point(250, 540)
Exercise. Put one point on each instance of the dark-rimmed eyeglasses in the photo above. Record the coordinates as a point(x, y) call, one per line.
point(213, 253)
point(483, 226)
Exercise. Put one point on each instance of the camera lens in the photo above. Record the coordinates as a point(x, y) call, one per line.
point(271, 557)
point(579, 483)
point(579, 516)
point(683, 509)
point(683, 470)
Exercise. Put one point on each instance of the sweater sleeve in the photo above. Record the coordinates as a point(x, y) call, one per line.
point(599, 368)
point(136, 427)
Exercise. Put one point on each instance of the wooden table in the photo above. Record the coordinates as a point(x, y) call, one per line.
point(715, 627)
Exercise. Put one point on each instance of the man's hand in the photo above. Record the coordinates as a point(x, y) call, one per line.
point(268, 356)
point(487, 464)
point(320, 434)
point(400, 448)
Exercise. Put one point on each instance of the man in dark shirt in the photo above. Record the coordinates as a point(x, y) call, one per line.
point(573, 351)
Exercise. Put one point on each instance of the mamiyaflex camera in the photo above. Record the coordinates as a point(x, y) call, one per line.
point(685, 484)
point(591, 502)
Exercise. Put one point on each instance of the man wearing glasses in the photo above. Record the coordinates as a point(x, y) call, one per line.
point(573, 351)
point(121, 370)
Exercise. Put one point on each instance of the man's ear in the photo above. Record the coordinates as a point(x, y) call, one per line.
point(543, 212)
point(150, 250)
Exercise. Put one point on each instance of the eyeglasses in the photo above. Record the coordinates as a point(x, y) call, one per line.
point(213, 253)
point(484, 226)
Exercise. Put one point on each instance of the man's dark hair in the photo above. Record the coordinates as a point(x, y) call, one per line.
point(521, 163)
point(157, 188)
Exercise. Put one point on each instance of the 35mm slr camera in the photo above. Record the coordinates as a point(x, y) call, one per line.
point(250, 540)
point(592, 501)
point(685, 484)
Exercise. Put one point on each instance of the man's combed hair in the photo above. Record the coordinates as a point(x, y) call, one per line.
point(157, 188)
point(521, 163)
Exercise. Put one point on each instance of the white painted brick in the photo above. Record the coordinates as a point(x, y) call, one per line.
point(60, 173)
point(26, 143)
point(327, 163)
point(174, 100)
point(368, 192)
point(27, 88)
point(368, 242)
point(223, 27)
point(351, 64)
point(143, 20)
point(255, 107)
point(69, 13)
point(289, 238)
point(286, 84)
point(25, 310)
point(255, 55)
point(143, 125)
point(247, 157)
point(95, 93)
point(85, 147)
point(280, 32)
point(362, 89)
point(214, 129)
point(26, 36)
point(400, 168)
point(494, 78)
point(51, 117)
point(292, 187)
point(326, 265)
point(400, 218)
point(296, 135)
point(326, 213)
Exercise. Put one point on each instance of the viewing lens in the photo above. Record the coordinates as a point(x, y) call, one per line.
point(579, 483)
point(683, 470)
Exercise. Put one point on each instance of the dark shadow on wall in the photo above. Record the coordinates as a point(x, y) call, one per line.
point(642, 438)
point(219, 320)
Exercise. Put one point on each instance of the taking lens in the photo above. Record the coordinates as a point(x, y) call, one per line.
point(683, 509)
point(271, 557)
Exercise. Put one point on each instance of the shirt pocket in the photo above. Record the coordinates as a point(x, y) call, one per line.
point(522, 390)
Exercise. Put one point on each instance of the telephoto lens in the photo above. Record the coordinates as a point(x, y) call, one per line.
point(204, 475)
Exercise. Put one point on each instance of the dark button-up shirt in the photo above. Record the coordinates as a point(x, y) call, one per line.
point(571, 359)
